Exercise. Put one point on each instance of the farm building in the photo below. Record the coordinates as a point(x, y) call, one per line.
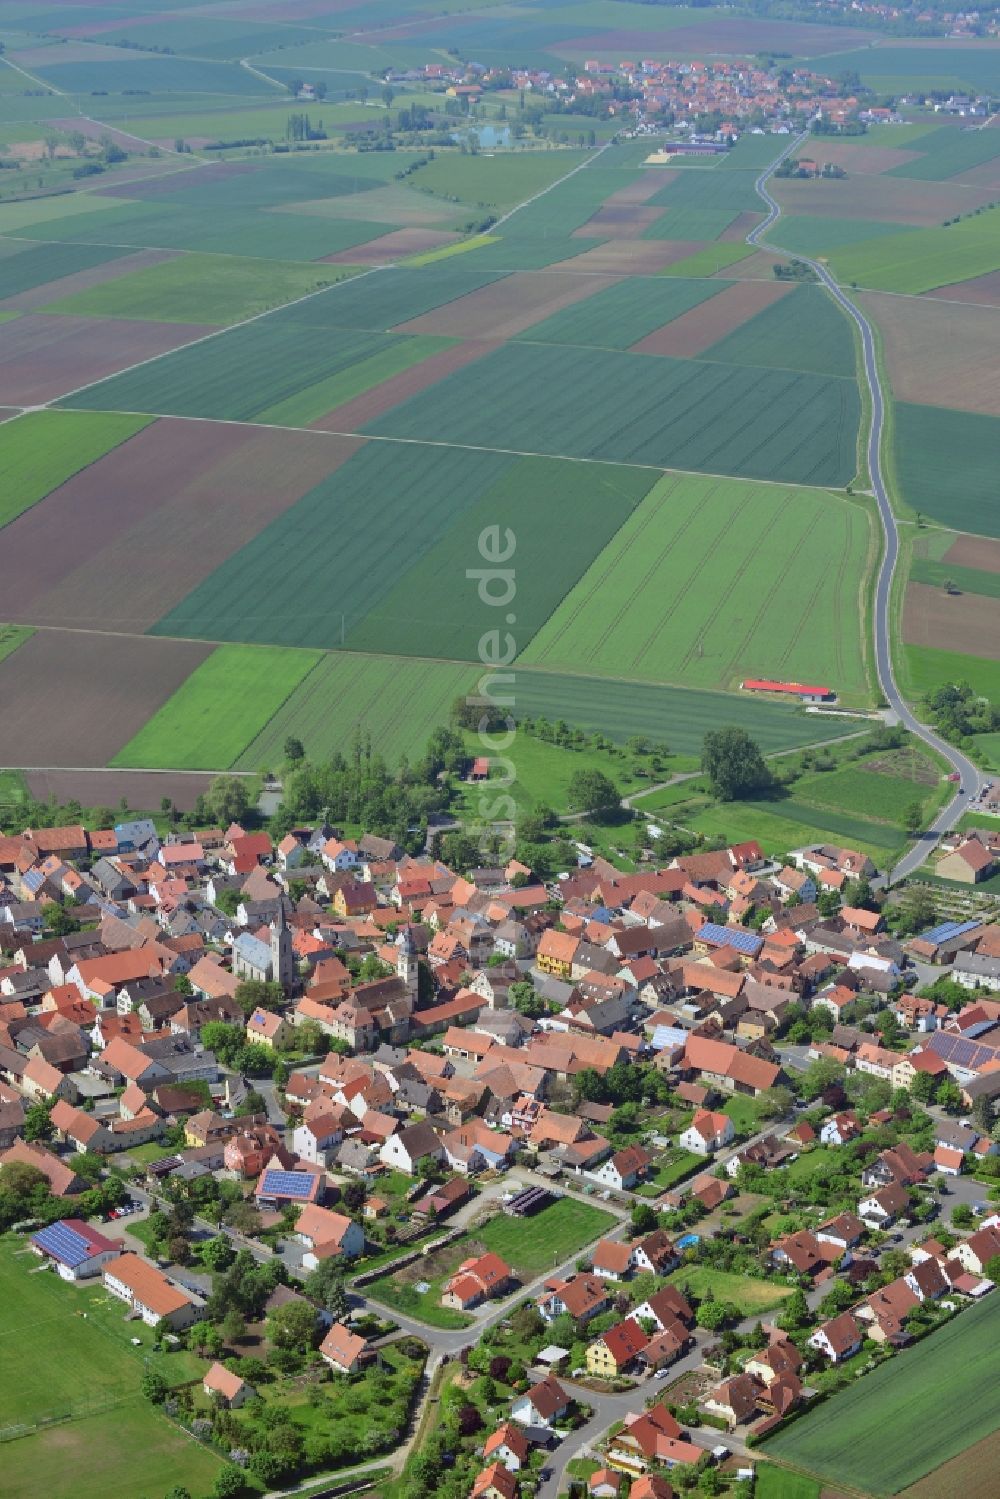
point(807, 693)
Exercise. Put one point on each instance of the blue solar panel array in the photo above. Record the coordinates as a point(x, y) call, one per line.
point(949, 929)
point(64, 1243)
point(730, 936)
point(287, 1183)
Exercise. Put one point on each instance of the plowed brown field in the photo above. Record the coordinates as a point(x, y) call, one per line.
point(964, 622)
point(940, 353)
point(43, 357)
point(68, 286)
point(142, 789)
point(75, 699)
point(352, 416)
point(694, 331)
point(506, 308)
point(975, 551)
point(125, 540)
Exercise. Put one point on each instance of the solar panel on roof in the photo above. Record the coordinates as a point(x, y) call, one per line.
point(729, 936)
point(64, 1244)
point(947, 930)
point(287, 1183)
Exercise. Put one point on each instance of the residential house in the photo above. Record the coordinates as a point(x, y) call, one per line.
point(616, 1349)
point(225, 1388)
point(838, 1339)
point(494, 1482)
point(476, 1280)
point(343, 1349)
point(707, 1132)
point(406, 1150)
point(623, 1170)
point(508, 1445)
point(326, 1234)
point(544, 1404)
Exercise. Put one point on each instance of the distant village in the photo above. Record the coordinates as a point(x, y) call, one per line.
point(312, 1022)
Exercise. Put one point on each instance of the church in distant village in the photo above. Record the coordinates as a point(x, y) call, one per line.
point(254, 958)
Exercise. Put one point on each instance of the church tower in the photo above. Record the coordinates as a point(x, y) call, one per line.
point(406, 962)
point(282, 955)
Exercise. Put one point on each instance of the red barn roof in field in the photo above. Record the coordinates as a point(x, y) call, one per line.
point(764, 684)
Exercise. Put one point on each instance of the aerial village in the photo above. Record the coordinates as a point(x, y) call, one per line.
point(646, 1177)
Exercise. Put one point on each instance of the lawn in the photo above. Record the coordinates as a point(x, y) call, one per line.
point(539, 775)
point(348, 694)
point(222, 706)
point(710, 581)
point(751, 1296)
point(672, 1167)
point(908, 1417)
point(931, 445)
point(58, 1363)
point(772, 1482)
point(529, 1245)
point(744, 1112)
point(533, 1245)
point(867, 793)
point(624, 408)
point(131, 1450)
point(43, 449)
point(198, 289)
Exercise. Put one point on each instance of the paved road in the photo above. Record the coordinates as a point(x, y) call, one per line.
point(970, 777)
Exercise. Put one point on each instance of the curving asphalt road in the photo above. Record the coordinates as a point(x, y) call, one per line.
point(970, 778)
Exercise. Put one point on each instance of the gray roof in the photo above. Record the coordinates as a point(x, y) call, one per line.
point(253, 951)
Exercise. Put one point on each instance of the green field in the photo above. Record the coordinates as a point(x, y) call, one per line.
point(43, 449)
point(706, 187)
point(691, 223)
point(317, 400)
point(918, 260)
point(197, 289)
point(140, 1453)
point(946, 152)
point(946, 465)
point(495, 181)
point(59, 1364)
point(623, 314)
point(392, 584)
point(803, 331)
point(678, 716)
point(781, 825)
point(864, 792)
point(925, 668)
point(209, 378)
point(965, 579)
point(538, 774)
point(222, 706)
point(908, 1417)
point(12, 636)
point(33, 266)
point(710, 261)
point(384, 298)
point(623, 408)
point(396, 703)
point(696, 588)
